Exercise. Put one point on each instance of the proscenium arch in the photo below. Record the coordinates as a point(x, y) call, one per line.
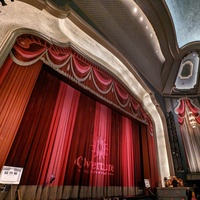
point(102, 53)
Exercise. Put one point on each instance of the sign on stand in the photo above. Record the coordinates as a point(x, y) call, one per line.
point(10, 175)
point(147, 183)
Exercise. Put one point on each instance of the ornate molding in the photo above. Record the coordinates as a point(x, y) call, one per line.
point(48, 5)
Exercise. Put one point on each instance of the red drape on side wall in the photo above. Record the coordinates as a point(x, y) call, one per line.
point(190, 135)
point(184, 106)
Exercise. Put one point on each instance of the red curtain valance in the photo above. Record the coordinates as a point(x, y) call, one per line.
point(66, 61)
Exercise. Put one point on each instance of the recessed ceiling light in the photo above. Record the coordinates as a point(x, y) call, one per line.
point(135, 10)
point(141, 19)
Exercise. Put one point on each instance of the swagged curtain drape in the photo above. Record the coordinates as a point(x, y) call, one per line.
point(62, 137)
point(190, 136)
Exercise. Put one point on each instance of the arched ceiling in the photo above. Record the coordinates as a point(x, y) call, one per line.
point(154, 52)
point(186, 19)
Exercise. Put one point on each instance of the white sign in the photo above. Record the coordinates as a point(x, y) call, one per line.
point(10, 175)
point(147, 183)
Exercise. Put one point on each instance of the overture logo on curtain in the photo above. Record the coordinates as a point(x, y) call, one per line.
point(98, 164)
point(99, 148)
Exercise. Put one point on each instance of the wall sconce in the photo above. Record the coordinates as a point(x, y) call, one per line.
point(192, 120)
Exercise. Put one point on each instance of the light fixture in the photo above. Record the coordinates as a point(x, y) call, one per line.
point(192, 120)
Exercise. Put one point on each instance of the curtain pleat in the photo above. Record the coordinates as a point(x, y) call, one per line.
point(60, 135)
point(152, 161)
point(34, 127)
point(5, 68)
point(15, 91)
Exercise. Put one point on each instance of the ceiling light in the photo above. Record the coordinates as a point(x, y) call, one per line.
point(135, 10)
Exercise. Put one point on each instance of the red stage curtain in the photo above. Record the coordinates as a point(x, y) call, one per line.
point(67, 135)
point(152, 161)
point(59, 136)
point(5, 68)
point(127, 157)
point(66, 139)
point(15, 90)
